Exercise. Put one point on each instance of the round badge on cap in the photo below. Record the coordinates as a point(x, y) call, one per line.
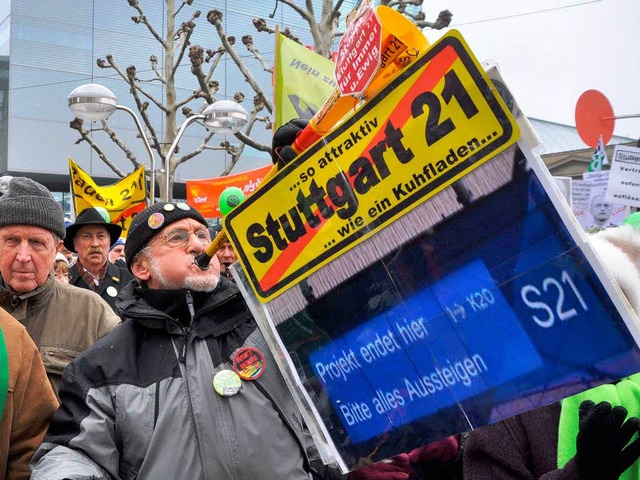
point(183, 206)
point(248, 363)
point(169, 207)
point(155, 221)
point(111, 291)
point(227, 383)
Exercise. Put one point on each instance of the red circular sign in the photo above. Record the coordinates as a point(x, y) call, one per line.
point(594, 117)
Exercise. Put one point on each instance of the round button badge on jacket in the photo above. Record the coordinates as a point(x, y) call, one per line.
point(227, 383)
point(248, 363)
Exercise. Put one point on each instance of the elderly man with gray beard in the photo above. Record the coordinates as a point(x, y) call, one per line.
point(186, 387)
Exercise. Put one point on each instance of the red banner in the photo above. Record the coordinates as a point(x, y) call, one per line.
point(203, 195)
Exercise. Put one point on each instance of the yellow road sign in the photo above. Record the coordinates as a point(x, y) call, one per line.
point(437, 121)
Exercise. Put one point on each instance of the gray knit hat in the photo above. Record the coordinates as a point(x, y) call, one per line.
point(29, 203)
point(151, 220)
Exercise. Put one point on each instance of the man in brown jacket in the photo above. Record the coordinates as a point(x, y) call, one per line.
point(29, 401)
point(62, 320)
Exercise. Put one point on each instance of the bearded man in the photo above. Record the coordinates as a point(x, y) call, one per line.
point(186, 387)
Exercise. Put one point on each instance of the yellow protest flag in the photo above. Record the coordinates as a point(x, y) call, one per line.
point(303, 81)
point(123, 200)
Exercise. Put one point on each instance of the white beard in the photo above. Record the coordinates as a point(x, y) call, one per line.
point(196, 283)
point(201, 284)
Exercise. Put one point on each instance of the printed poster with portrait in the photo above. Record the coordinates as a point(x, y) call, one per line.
point(591, 205)
point(431, 279)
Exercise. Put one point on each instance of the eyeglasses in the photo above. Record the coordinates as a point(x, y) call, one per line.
point(180, 238)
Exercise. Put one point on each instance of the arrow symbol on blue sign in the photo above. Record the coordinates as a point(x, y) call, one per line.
point(457, 312)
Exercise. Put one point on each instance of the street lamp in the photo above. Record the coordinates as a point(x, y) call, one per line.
point(94, 102)
point(224, 117)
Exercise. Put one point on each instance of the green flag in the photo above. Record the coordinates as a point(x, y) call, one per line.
point(599, 158)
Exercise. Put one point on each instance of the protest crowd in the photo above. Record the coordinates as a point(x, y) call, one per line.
point(122, 365)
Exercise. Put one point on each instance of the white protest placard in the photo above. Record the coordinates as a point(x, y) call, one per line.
point(602, 213)
point(624, 180)
point(580, 193)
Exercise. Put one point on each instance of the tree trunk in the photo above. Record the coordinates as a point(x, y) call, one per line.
point(170, 99)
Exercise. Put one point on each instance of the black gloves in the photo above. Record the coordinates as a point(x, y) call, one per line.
point(602, 437)
point(281, 151)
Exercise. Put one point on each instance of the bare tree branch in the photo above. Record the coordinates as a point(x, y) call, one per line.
point(260, 25)
point(127, 151)
point(176, 44)
point(328, 26)
point(215, 18)
point(305, 14)
point(76, 124)
point(142, 18)
point(443, 21)
point(322, 32)
point(196, 57)
point(125, 76)
point(247, 40)
point(185, 2)
point(154, 66)
point(184, 32)
point(235, 153)
point(336, 8)
point(142, 108)
point(247, 140)
point(186, 100)
point(215, 56)
point(197, 151)
point(309, 6)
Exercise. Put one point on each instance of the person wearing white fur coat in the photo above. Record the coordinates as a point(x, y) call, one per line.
point(619, 250)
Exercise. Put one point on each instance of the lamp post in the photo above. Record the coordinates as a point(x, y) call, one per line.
point(223, 117)
point(94, 102)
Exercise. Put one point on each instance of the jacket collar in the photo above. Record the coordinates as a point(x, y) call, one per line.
point(45, 286)
point(216, 313)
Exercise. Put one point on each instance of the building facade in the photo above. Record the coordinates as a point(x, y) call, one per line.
point(565, 153)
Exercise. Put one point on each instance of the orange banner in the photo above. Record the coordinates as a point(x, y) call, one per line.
point(203, 195)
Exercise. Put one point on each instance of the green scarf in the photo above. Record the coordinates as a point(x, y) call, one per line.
point(4, 373)
point(625, 393)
